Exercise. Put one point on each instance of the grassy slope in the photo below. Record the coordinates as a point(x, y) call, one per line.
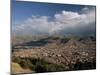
point(16, 68)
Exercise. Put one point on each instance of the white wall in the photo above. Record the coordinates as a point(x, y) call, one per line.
point(5, 37)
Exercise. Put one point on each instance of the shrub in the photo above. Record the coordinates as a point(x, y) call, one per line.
point(16, 59)
point(85, 65)
point(26, 63)
point(38, 65)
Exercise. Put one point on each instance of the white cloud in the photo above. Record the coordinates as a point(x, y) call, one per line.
point(64, 22)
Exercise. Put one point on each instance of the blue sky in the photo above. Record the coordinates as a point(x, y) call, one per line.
point(52, 18)
point(21, 10)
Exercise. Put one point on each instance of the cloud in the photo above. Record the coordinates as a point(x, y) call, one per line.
point(66, 22)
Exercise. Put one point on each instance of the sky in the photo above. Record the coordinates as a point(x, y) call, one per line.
point(36, 18)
